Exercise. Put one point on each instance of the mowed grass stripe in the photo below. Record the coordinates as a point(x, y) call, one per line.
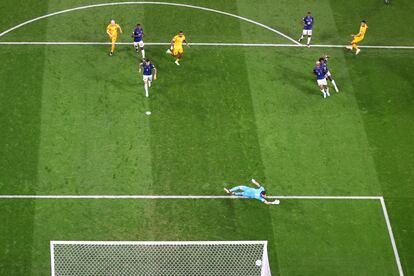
point(203, 133)
point(310, 145)
point(385, 102)
point(95, 127)
point(20, 113)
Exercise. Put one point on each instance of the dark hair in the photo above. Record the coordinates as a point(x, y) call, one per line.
point(309, 12)
point(180, 32)
point(147, 60)
point(138, 24)
point(321, 59)
point(363, 21)
point(263, 193)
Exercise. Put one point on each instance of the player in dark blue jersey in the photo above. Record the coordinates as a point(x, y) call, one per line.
point(137, 35)
point(148, 68)
point(307, 27)
point(324, 63)
point(321, 79)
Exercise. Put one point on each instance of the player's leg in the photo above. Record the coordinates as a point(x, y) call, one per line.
point(113, 45)
point(136, 46)
point(149, 81)
point(141, 45)
point(329, 77)
point(326, 89)
point(309, 33)
point(354, 45)
point(238, 188)
point(179, 56)
point(302, 36)
point(233, 190)
point(145, 79)
point(321, 88)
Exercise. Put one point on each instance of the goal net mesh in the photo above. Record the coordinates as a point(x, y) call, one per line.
point(159, 258)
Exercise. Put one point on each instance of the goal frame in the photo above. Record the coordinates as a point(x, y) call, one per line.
point(265, 266)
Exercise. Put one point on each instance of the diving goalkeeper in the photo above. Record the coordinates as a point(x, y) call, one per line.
point(258, 193)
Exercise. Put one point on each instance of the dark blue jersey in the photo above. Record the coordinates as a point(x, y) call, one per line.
point(318, 71)
point(137, 34)
point(148, 68)
point(308, 22)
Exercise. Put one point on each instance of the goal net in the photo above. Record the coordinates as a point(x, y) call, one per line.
point(159, 258)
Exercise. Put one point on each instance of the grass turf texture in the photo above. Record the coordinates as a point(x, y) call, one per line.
point(73, 122)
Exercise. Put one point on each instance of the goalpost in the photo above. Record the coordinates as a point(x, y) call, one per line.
point(159, 258)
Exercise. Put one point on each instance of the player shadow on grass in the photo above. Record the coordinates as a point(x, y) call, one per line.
point(303, 80)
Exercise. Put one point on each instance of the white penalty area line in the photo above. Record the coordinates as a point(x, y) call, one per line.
point(203, 44)
point(380, 198)
point(178, 197)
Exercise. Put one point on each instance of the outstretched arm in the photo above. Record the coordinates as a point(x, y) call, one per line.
point(140, 67)
point(155, 73)
point(275, 202)
point(186, 43)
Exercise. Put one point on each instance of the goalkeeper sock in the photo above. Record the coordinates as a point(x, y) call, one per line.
point(143, 53)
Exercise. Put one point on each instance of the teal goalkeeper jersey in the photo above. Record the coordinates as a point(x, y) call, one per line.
point(254, 193)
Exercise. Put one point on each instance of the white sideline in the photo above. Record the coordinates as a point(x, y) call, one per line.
point(153, 3)
point(380, 198)
point(202, 44)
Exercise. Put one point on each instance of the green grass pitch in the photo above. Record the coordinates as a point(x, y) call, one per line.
point(72, 122)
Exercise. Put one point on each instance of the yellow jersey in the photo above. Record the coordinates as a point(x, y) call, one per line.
point(113, 29)
point(362, 30)
point(178, 41)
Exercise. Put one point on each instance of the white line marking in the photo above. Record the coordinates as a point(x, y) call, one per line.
point(176, 197)
point(157, 242)
point(380, 198)
point(394, 246)
point(153, 3)
point(200, 44)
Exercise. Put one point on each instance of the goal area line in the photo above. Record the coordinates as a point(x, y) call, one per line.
point(205, 44)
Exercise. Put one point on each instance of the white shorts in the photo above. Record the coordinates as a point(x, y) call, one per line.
point(328, 74)
point(147, 77)
point(307, 32)
point(140, 44)
point(322, 82)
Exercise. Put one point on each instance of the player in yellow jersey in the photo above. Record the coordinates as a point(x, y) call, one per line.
point(176, 49)
point(358, 37)
point(112, 31)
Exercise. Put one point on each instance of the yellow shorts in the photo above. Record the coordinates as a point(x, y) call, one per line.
point(357, 39)
point(114, 38)
point(178, 51)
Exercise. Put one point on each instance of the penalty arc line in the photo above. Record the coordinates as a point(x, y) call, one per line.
point(204, 44)
point(153, 3)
